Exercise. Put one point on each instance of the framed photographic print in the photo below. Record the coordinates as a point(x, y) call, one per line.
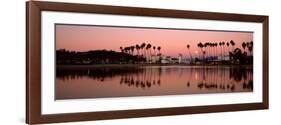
point(93, 62)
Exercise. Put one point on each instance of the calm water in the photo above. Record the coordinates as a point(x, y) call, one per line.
point(126, 81)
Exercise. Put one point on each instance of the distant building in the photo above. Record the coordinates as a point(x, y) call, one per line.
point(165, 59)
point(180, 58)
point(225, 58)
point(186, 60)
point(155, 59)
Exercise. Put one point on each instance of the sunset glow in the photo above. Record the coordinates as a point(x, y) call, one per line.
point(107, 61)
point(173, 42)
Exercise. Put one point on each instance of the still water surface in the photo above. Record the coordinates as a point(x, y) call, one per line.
point(128, 81)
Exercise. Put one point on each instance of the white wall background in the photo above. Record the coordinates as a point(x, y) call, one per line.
point(12, 61)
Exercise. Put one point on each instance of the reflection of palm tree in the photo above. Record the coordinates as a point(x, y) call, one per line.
point(159, 75)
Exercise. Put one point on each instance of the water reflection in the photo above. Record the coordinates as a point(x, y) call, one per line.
point(117, 81)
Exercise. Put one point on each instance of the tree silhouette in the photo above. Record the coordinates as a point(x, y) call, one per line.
point(137, 48)
point(132, 49)
point(121, 49)
point(200, 45)
point(232, 44)
point(143, 50)
point(148, 47)
point(188, 46)
point(159, 50)
point(250, 47)
point(216, 45)
point(154, 50)
point(223, 43)
point(244, 46)
point(227, 45)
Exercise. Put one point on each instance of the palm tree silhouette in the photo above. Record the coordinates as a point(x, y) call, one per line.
point(200, 45)
point(159, 48)
point(132, 49)
point(227, 44)
point(205, 50)
point(216, 45)
point(210, 47)
point(214, 49)
point(137, 48)
point(250, 47)
point(220, 44)
point(188, 46)
point(148, 46)
point(252, 43)
point(154, 50)
point(143, 50)
point(121, 49)
point(232, 44)
point(244, 46)
point(223, 43)
point(126, 49)
point(129, 49)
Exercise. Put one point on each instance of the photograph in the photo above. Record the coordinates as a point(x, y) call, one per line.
point(101, 61)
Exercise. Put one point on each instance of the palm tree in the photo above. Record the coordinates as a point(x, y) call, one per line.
point(232, 44)
point(159, 48)
point(154, 50)
point(220, 44)
point(216, 45)
point(188, 46)
point(200, 45)
point(211, 45)
point(137, 48)
point(148, 46)
point(132, 49)
point(214, 49)
point(252, 43)
point(250, 47)
point(227, 44)
point(125, 49)
point(143, 51)
point(244, 46)
point(129, 49)
point(205, 46)
point(121, 48)
point(223, 43)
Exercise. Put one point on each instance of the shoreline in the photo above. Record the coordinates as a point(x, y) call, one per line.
point(139, 65)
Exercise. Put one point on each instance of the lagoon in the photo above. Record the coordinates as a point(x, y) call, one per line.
point(104, 81)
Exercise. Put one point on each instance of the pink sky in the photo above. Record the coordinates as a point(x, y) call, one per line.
point(172, 42)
